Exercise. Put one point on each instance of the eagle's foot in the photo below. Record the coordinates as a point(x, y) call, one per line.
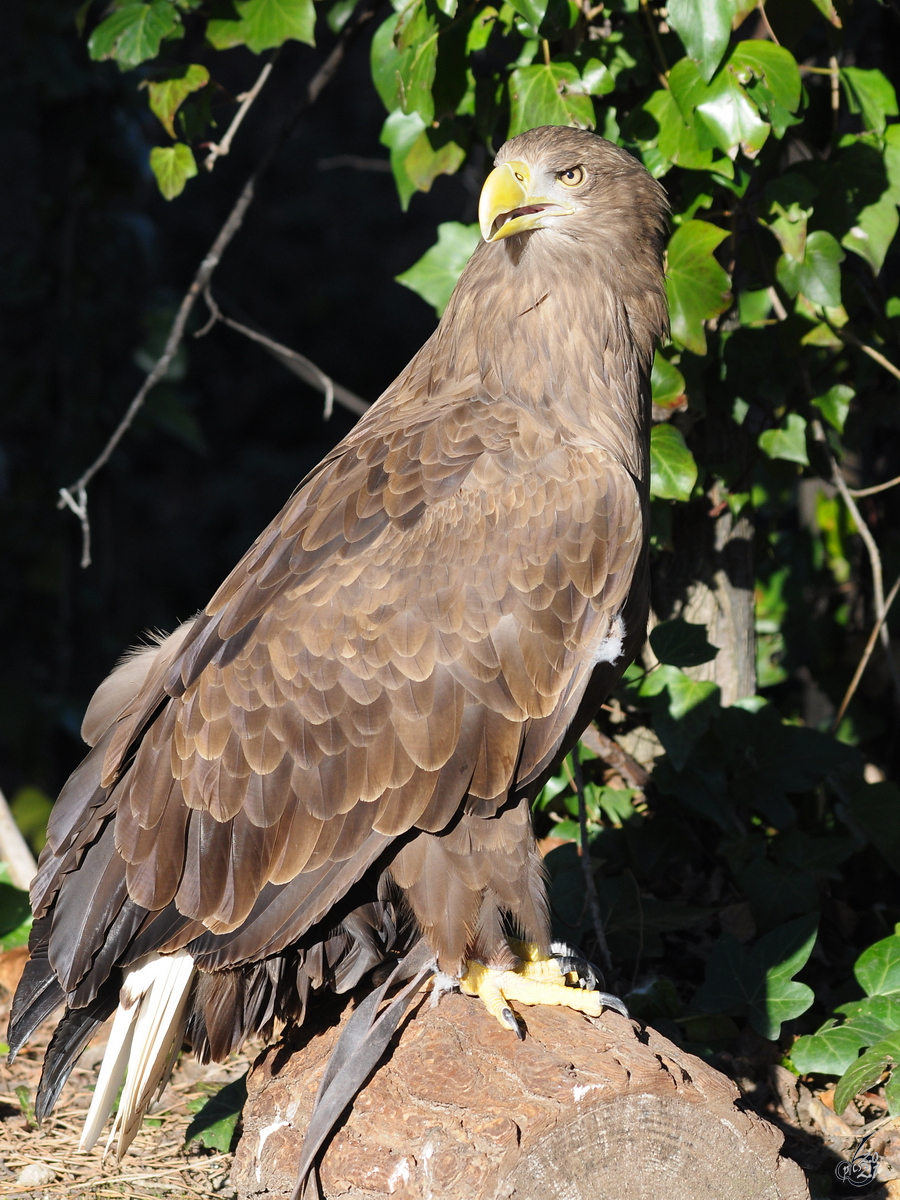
point(537, 980)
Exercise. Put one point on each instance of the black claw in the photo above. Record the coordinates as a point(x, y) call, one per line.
point(509, 1017)
point(610, 1001)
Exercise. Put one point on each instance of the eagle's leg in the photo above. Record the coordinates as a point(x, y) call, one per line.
point(537, 979)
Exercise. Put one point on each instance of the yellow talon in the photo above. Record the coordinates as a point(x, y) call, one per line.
point(536, 980)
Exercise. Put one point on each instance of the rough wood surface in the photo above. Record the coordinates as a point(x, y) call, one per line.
point(580, 1110)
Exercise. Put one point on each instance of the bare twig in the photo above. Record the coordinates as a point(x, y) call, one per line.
point(765, 20)
point(79, 508)
point(220, 149)
point(298, 363)
point(878, 487)
point(846, 336)
point(14, 849)
point(775, 301)
point(871, 549)
point(614, 756)
point(589, 884)
point(866, 655)
point(204, 274)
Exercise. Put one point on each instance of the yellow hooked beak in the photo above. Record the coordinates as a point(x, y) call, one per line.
point(509, 205)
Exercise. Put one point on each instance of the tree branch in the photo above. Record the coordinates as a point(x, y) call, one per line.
point(879, 487)
point(220, 149)
point(298, 363)
point(871, 549)
point(846, 336)
point(866, 655)
point(765, 21)
point(204, 274)
point(614, 756)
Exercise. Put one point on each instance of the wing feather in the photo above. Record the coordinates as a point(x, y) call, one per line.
point(409, 632)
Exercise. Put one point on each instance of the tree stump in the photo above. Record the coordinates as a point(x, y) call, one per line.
point(582, 1109)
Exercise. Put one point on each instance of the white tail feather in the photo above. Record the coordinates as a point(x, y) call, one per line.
point(146, 1035)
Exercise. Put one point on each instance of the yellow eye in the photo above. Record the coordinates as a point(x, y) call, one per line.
point(572, 177)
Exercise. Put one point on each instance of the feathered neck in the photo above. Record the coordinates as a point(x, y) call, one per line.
point(564, 325)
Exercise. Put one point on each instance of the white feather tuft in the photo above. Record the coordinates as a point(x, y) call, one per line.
point(610, 649)
point(146, 1035)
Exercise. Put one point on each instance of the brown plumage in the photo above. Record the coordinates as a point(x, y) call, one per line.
point(340, 751)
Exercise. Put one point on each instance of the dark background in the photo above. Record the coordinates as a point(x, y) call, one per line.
point(93, 264)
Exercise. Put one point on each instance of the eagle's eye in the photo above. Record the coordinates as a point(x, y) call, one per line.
point(572, 177)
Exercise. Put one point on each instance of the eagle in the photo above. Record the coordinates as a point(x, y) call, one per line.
point(335, 760)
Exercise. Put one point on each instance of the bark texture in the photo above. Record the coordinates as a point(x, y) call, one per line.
point(709, 581)
point(580, 1110)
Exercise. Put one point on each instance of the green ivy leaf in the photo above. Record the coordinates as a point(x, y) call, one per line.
point(835, 404)
point(726, 116)
point(173, 166)
point(830, 1051)
point(704, 27)
point(697, 286)
point(400, 132)
point(787, 442)
point(168, 94)
point(548, 95)
point(667, 384)
point(546, 18)
point(772, 65)
point(263, 24)
point(596, 78)
point(731, 117)
point(31, 810)
point(683, 716)
point(813, 855)
point(667, 129)
point(892, 161)
point(384, 60)
point(782, 757)
point(214, 1123)
point(533, 11)
point(132, 33)
point(413, 58)
point(874, 1016)
point(686, 694)
point(754, 308)
point(873, 232)
point(870, 95)
point(818, 277)
point(828, 11)
point(681, 643)
point(892, 1092)
point(673, 471)
point(758, 981)
point(434, 276)
point(426, 159)
point(877, 969)
point(866, 1071)
point(776, 892)
point(876, 808)
point(15, 917)
point(339, 14)
point(789, 227)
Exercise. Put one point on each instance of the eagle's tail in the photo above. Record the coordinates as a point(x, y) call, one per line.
point(146, 1036)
